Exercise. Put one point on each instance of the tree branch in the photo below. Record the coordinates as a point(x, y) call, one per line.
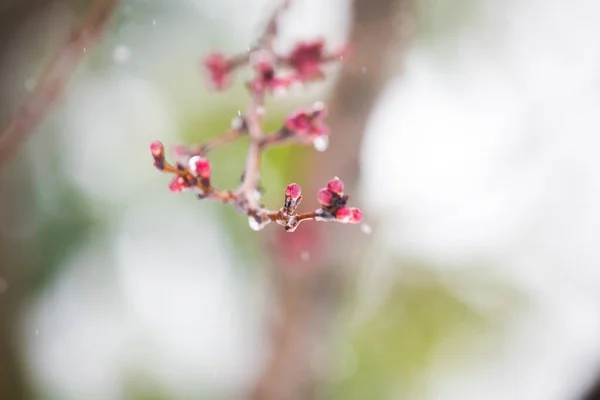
point(54, 79)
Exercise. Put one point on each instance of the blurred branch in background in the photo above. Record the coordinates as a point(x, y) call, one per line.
point(309, 293)
point(21, 124)
point(54, 78)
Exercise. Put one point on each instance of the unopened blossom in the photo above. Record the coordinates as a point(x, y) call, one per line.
point(325, 196)
point(336, 186)
point(309, 122)
point(349, 215)
point(307, 60)
point(157, 149)
point(158, 153)
point(294, 191)
point(266, 78)
point(178, 184)
point(218, 70)
point(357, 216)
point(293, 196)
point(201, 166)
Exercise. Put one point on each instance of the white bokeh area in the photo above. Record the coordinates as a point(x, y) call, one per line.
point(491, 159)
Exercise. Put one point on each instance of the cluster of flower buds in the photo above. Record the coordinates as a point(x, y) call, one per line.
point(266, 78)
point(197, 174)
point(334, 201)
point(308, 125)
point(305, 63)
point(273, 74)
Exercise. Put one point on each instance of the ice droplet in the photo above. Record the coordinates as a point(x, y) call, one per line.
point(305, 256)
point(321, 143)
point(366, 229)
point(121, 54)
point(192, 162)
point(254, 224)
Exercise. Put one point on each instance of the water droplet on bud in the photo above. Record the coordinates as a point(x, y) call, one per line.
point(254, 224)
point(321, 143)
point(192, 162)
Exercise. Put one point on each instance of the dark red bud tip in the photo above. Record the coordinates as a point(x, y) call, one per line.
point(294, 191)
point(336, 185)
point(201, 166)
point(157, 149)
point(325, 196)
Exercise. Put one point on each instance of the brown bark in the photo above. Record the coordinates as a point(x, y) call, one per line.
point(309, 294)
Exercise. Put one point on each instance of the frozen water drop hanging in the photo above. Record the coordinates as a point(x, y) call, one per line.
point(254, 224)
point(321, 143)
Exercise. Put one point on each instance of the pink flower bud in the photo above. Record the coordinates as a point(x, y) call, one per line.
point(308, 122)
point(178, 184)
point(357, 216)
point(217, 68)
point(157, 149)
point(325, 196)
point(336, 186)
point(294, 191)
point(307, 59)
point(266, 78)
point(344, 214)
point(201, 166)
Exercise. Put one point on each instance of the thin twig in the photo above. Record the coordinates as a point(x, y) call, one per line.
point(54, 79)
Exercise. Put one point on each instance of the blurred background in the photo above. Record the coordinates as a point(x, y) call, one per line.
point(468, 132)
